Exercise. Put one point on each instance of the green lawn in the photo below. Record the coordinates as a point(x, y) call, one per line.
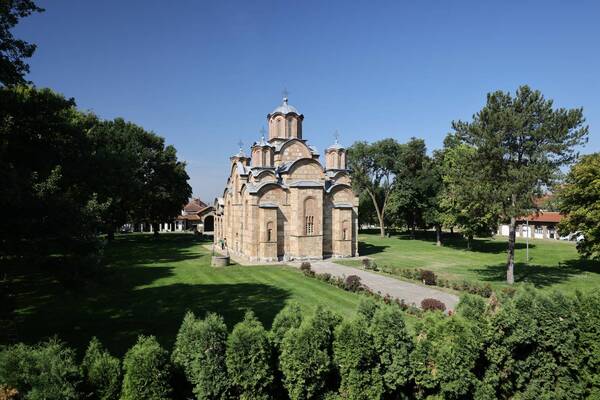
point(552, 264)
point(149, 287)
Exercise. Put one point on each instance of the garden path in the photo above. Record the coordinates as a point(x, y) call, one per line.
point(411, 293)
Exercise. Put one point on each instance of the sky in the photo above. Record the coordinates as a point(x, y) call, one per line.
point(205, 74)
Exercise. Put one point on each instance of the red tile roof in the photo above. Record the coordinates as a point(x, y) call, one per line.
point(194, 205)
point(543, 216)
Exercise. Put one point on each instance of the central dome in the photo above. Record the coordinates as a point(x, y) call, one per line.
point(285, 108)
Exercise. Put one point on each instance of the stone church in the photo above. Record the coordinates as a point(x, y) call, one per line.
point(281, 204)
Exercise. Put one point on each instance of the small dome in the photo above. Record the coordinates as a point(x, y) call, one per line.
point(285, 108)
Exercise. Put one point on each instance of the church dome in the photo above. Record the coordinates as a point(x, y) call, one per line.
point(285, 108)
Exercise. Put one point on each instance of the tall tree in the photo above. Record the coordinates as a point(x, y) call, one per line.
point(519, 144)
point(13, 51)
point(579, 201)
point(462, 201)
point(408, 199)
point(373, 167)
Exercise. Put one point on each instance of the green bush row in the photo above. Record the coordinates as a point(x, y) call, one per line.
point(523, 345)
point(428, 277)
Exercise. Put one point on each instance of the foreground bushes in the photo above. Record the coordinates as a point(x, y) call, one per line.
point(515, 345)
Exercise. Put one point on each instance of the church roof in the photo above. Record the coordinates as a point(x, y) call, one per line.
point(194, 205)
point(285, 108)
point(335, 146)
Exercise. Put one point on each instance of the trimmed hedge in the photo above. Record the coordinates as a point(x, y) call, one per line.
point(517, 344)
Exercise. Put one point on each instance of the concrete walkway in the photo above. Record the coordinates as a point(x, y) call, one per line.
point(409, 292)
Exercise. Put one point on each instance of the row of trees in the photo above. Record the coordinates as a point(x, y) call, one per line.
point(526, 345)
point(67, 175)
point(491, 169)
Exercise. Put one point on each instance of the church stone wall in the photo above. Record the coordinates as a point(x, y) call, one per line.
point(301, 213)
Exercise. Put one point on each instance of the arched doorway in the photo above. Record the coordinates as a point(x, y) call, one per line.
point(209, 224)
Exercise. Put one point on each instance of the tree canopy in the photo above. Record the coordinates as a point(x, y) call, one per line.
point(518, 144)
point(13, 51)
point(579, 201)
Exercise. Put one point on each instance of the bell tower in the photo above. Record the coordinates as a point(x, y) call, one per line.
point(285, 122)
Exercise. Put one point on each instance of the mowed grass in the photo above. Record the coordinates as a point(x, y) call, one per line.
point(149, 286)
point(552, 264)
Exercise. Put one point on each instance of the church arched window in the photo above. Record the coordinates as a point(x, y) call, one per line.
point(345, 230)
point(310, 208)
point(289, 128)
point(269, 231)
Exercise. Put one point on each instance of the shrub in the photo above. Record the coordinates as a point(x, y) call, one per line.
point(366, 262)
point(535, 338)
point(289, 317)
point(209, 370)
point(306, 267)
point(352, 283)
point(249, 359)
point(356, 359)
point(367, 308)
point(445, 356)
point(147, 371)
point(393, 346)
point(306, 359)
point(432, 305)
point(471, 307)
point(428, 277)
point(487, 290)
point(325, 277)
point(185, 350)
point(101, 371)
point(46, 371)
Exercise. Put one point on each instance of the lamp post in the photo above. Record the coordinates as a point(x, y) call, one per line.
point(527, 242)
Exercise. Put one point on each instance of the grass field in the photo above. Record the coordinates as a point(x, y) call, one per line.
point(552, 264)
point(151, 284)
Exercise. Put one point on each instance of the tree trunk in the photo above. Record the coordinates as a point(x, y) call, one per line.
point(379, 215)
point(469, 238)
point(510, 264)
point(155, 228)
point(452, 230)
point(413, 233)
point(438, 234)
point(111, 234)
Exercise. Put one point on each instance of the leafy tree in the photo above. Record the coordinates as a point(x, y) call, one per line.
point(45, 204)
point(459, 207)
point(471, 307)
point(101, 372)
point(373, 167)
point(407, 201)
point(579, 201)
point(432, 188)
point(289, 317)
point(13, 51)
point(393, 346)
point(356, 359)
point(147, 371)
point(249, 359)
point(518, 144)
point(444, 357)
point(306, 356)
point(47, 371)
point(165, 182)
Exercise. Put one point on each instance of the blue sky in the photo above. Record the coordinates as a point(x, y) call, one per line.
point(204, 74)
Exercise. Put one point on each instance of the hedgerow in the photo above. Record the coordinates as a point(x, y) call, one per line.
point(516, 344)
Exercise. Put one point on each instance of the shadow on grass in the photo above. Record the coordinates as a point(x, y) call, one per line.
point(365, 249)
point(539, 275)
point(457, 241)
point(124, 303)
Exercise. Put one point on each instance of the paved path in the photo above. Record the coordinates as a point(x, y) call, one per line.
point(409, 292)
